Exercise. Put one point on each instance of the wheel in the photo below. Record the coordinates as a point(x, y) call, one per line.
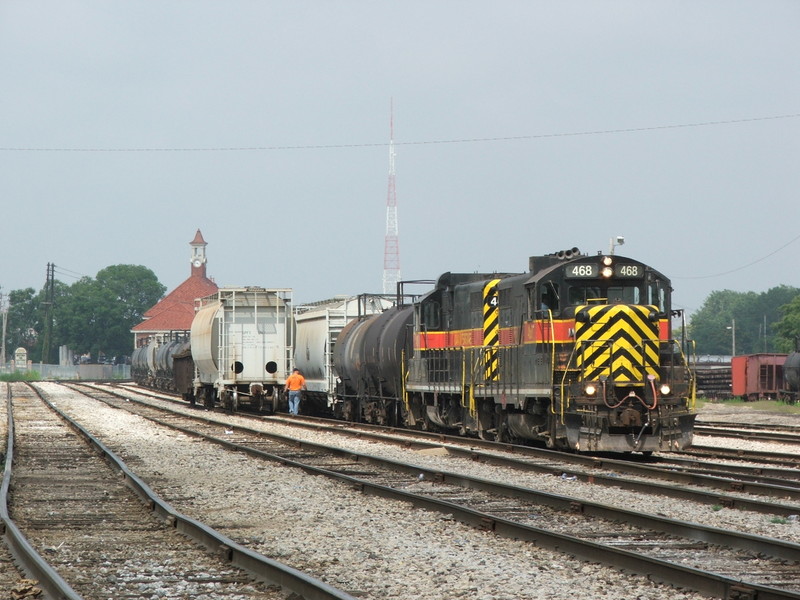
point(208, 398)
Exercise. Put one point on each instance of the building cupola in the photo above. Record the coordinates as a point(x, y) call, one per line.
point(198, 258)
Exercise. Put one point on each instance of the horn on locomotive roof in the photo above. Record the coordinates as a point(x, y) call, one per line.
point(536, 263)
point(567, 254)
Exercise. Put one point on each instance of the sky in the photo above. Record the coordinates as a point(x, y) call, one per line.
point(521, 128)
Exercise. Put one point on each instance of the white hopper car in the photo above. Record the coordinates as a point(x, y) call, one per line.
point(241, 347)
point(318, 326)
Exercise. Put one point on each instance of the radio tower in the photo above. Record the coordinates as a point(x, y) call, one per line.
point(391, 248)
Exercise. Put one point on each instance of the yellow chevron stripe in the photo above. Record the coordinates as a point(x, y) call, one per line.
point(491, 330)
point(613, 343)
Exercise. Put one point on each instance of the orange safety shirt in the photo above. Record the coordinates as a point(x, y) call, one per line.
point(295, 382)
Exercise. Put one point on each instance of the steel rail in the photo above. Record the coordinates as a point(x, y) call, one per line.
point(761, 473)
point(757, 426)
point(257, 565)
point(29, 560)
point(755, 436)
point(595, 463)
point(780, 458)
point(714, 535)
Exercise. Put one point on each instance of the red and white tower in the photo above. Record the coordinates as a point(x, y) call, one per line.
point(391, 248)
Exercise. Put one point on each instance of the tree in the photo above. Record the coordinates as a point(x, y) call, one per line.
point(788, 328)
point(23, 324)
point(98, 314)
point(91, 315)
point(751, 313)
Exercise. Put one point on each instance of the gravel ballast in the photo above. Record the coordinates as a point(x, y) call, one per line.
point(371, 547)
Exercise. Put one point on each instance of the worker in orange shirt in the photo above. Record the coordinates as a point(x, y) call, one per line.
point(295, 383)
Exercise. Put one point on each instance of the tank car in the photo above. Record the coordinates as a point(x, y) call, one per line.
point(318, 326)
point(162, 363)
point(241, 346)
point(576, 352)
point(791, 378)
point(152, 363)
point(183, 371)
point(368, 359)
point(143, 364)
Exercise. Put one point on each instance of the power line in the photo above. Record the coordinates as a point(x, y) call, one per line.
point(750, 264)
point(413, 143)
point(74, 274)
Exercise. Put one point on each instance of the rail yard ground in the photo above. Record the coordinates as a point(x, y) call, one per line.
point(762, 411)
point(345, 538)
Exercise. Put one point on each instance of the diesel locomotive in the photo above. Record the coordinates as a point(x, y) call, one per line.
point(577, 353)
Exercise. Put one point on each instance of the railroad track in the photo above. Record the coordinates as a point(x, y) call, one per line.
point(78, 527)
point(775, 459)
point(779, 427)
point(741, 431)
point(684, 479)
point(760, 480)
point(646, 543)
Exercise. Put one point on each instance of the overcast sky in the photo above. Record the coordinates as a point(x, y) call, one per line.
point(521, 128)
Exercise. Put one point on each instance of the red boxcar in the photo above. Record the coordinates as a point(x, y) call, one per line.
point(757, 376)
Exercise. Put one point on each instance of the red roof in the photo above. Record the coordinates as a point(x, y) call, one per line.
point(198, 238)
point(175, 311)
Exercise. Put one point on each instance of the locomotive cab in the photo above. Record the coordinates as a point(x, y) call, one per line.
point(623, 374)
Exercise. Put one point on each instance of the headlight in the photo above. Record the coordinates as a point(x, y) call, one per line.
point(665, 389)
point(590, 390)
point(607, 272)
point(607, 260)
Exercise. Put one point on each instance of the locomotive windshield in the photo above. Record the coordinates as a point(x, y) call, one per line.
point(614, 293)
point(600, 283)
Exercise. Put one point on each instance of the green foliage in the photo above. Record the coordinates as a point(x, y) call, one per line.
point(788, 328)
point(21, 376)
point(755, 317)
point(92, 315)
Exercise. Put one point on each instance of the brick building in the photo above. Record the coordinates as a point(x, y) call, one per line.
point(172, 316)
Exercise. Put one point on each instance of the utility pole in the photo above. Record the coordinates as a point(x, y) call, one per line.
point(4, 316)
point(49, 294)
point(732, 329)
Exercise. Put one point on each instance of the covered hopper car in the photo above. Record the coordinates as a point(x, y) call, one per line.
point(318, 326)
point(241, 345)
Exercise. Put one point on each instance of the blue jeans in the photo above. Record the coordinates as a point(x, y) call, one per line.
point(294, 402)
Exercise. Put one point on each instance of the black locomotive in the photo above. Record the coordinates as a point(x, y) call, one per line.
point(577, 352)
